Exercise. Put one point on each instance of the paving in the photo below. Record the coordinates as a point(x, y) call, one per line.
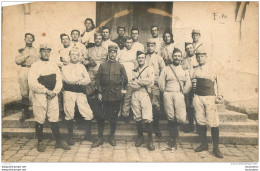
point(24, 150)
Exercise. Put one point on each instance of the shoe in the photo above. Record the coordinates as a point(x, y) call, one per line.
point(150, 145)
point(202, 147)
point(139, 141)
point(41, 147)
point(173, 143)
point(217, 153)
point(112, 141)
point(71, 141)
point(97, 144)
point(62, 145)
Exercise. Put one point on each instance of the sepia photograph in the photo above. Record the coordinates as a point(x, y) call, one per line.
point(129, 82)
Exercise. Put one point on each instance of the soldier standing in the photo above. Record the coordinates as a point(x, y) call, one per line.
point(167, 47)
point(120, 40)
point(143, 79)
point(206, 112)
point(75, 77)
point(106, 38)
point(87, 37)
point(95, 56)
point(27, 56)
point(137, 46)
point(196, 39)
point(128, 59)
point(45, 82)
point(157, 63)
point(189, 63)
point(110, 80)
point(156, 39)
point(174, 82)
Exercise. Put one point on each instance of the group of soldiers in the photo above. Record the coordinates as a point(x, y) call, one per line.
point(106, 79)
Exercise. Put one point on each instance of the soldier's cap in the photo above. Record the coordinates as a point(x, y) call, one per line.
point(201, 50)
point(29, 34)
point(112, 47)
point(139, 53)
point(187, 43)
point(175, 50)
point(45, 46)
point(97, 34)
point(151, 41)
point(195, 31)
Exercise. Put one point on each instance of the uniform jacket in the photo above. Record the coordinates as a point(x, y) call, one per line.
point(146, 79)
point(111, 78)
point(190, 63)
point(157, 63)
point(44, 69)
point(137, 46)
point(120, 41)
point(169, 83)
point(128, 59)
point(209, 71)
point(27, 56)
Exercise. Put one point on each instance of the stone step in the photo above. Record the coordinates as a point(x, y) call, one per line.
point(228, 126)
point(130, 135)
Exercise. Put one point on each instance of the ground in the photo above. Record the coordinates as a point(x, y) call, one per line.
point(24, 150)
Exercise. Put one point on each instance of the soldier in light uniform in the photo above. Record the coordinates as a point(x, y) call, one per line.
point(95, 57)
point(137, 46)
point(87, 37)
point(167, 47)
point(128, 59)
point(106, 38)
point(155, 61)
point(75, 77)
point(156, 39)
point(110, 80)
point(64, 52)
point(205, 81)
point(196, 39)
point(27, 56)
point(174, 82)
point(120, 40)
point(77, 45)
point(45, 82)
point(189, 63)
point(141, 83)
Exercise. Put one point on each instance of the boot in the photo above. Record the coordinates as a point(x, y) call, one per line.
point(156, 119)
point(88, 124)
point(203, 138)
point(112, 140)
point(25, 113)
point(190, 114)
point(140, 138)
point(55, 128)
point(150, 136)
point(101, 125)
point(39, 134)
point(173, 127)
point(215, 137)
point(71, 140)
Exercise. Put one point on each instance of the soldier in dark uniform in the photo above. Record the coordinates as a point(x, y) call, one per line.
point(111, 79)
point(120, 40)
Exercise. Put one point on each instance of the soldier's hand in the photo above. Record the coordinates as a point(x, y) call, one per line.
point(50, 94)
point(99, 97)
